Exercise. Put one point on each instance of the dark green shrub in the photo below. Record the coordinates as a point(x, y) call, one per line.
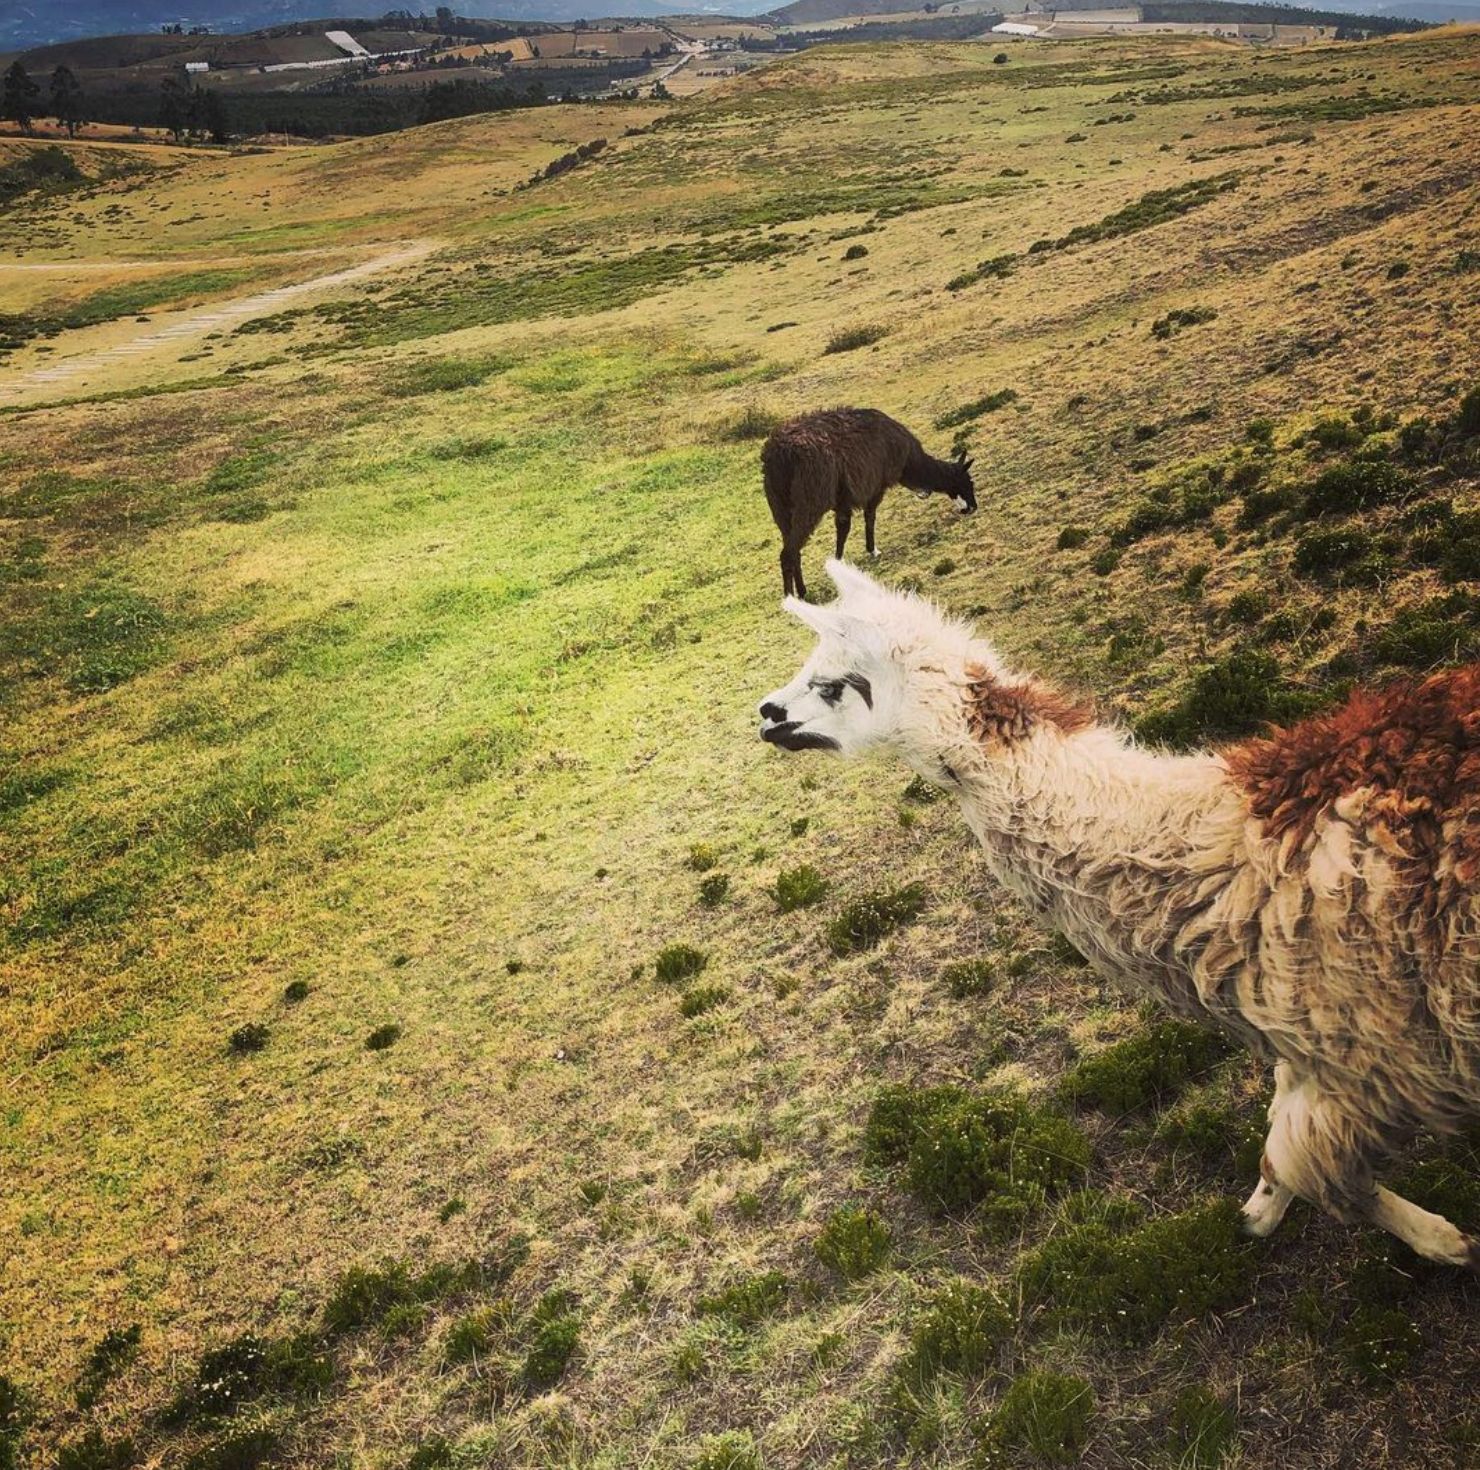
point(1340, 549)
point(94, 1452)
point(961, 1331)
point(1441, 630)
point(1129, 1282)
point(969, 977)
point(1260, 431)
point(855, 252)
point(749, 1302)
point(1259, 505)
point(1359, 484)
point(249, 1368)
point(1379, 1343)
point(1177, 320)
point(679, 962)
point(364, 1295)
point(553, 1332)
point(701, 998)
point(1220, 1134)
point(1336, 432)
point(1149, 1067)
point(960, 1149)
point(1104, 561)
point(750, 423)
point(713, 889)
point(977, 408)
point(852, 338)
point(249, 1038)
point(921, 792)
point(944, 567)
point(1045, 1413)
point(1447, 1186)
point(295, 991)
point(1235, 696)
point(702, 857)
point(855, 1242)
point(432, 1454)
point(1202, 1430)
point(474, 1335)
point(867, 921)
point(443, 375)
point(1246, 607)
point(109, 1356)
point(1071, 537)
point(383, 1037)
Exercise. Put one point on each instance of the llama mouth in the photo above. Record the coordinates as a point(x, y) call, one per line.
point(789, 737)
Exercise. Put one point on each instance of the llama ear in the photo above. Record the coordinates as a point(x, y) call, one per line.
point(850, 582)
point(821, 620)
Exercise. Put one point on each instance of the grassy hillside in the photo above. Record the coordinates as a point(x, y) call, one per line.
point(435, 1030)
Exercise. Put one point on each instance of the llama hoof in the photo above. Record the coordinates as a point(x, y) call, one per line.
point(873, 556)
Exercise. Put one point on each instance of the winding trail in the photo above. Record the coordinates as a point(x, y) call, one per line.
point(210, 318)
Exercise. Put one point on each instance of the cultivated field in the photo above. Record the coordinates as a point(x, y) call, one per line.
point(434, 1029)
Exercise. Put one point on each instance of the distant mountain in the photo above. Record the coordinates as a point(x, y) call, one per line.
point(26, 23)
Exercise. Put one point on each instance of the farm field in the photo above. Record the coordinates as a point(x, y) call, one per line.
point(434, 1030)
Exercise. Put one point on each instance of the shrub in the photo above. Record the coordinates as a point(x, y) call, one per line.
point(1104, 561)
point(999, 267)
point(702, 857)
point(1071, 537)
point(473, 1335)
point(1046, 1413)
point(1175, 321)
point(855, 252)
point(852, 338)
point(244, 1450)
point(944, 567)
point(295, 991)
point(1234, 696)
point(1219, 1133)
point(732, 1450)
point(1359, 484)
point(443, 375)
point(1322, 551)
point(701, 998)
point(968, 412)
point(383, 1037)
point(960, 1331)
point(553, 1331)
point(1440, 630)
point(1379, 1343)
point(432, 1454)
point(1130, 1281)
point(750, 423)
point(1259, 505)
point(866, 921)
point(1247, 606)
point(679, 962)
point(249, 1038)
point(1335, 432)
point(969, 977)
point(713, 889)
point(1260, 431)
point(854, 1242)
point(1202, 1429)
point(748, 1302)
point(961, 1149)
point(1148, 1067)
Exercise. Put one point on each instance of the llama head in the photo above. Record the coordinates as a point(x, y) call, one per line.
point(962, 488)
point(857, 689)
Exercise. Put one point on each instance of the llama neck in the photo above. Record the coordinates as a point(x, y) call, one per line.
point(1108, 843)
point(924, 472)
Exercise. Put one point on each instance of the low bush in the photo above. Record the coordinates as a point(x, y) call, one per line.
point(969, 412)
point(750, 423)
point(867, 921)
point(1320, 552)
point(1046, 1414)
point(701, 998)
point(969, 977)
point(95, 1452)
point(1201, 1430)
point(1380, 1343)
point(1071, 537)
point(799, 888)
point(961, 1150)
point(713, 889)
point(852, 338)
point(962, 1330)
point(383, 1037)
point(553, 1332)
point(1359, 484)
point(1130, 1281)
point(1149, 1067)
point(679, 962)
point(1442, 630)
point(249, 1038)
point(735, 1449)
point(1236, 695)
point(749, 1302)
point(855, 1242)
point(1180, 319)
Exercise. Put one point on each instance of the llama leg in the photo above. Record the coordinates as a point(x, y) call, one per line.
point(1429, 1234)
point(792, 564)
point(843, 519)
point(785, 573)
point(1265, 1208)
point(869, 512)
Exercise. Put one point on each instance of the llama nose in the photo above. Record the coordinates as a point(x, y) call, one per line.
point(774, 712)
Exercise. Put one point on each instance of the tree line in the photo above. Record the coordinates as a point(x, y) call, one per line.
point(20, 99)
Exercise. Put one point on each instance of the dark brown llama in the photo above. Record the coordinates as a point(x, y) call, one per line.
point(843, 459)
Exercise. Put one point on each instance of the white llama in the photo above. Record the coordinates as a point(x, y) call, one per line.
point(1315, 894)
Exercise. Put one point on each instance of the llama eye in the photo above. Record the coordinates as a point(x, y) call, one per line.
point(831, 693)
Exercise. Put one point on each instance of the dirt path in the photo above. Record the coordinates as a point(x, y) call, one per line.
point(208, 319)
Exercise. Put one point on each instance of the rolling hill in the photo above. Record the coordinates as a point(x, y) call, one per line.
point(434, 1030)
